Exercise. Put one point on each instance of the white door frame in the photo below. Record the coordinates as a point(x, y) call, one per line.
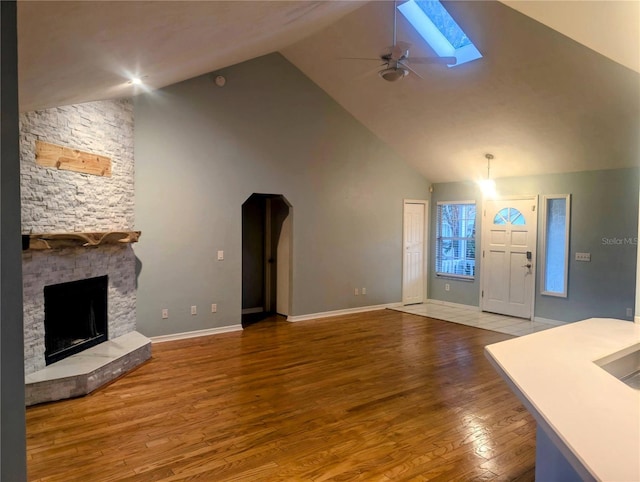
point(425, 246)
point(534, 261)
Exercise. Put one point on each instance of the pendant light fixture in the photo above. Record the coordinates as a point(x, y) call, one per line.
point(488, 185)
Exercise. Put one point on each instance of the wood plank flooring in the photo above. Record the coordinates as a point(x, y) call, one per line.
point(382, 396)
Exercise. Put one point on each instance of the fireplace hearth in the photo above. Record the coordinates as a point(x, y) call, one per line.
point(75, 317)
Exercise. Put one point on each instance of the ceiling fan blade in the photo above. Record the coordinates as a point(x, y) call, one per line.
point(403, 45)
point(363, 58)
point(411, 70)
point(399, 51)
point(432, 60)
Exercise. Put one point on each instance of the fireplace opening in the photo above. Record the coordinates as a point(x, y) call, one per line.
point(75, 317)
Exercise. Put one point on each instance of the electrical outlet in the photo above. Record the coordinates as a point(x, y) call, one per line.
point(194, 310)
point(447, 287)
point(629, 312)
point(364, 291)
point(220, 255)
point(165, 314)
point(214, 308)
point(356, 292)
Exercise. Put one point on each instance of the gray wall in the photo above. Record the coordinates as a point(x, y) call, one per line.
point(13, 465)
point(637, 312)
point(201, 151)
point(604, 205)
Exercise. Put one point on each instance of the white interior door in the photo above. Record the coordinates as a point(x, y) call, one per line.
point(508, 256)
point(414, 234)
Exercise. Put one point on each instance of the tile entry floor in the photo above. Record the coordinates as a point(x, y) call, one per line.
point(479, 319)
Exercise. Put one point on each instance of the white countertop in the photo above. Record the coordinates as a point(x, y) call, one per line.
point(595, 415)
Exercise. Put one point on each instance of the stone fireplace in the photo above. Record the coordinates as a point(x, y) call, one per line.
point(41, 269)
point(62, 201)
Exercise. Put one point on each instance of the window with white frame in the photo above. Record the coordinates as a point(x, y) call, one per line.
point(456, 239)
point(556, 211)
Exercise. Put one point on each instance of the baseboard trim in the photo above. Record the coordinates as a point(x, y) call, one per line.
point(195, 334)
point(637, 319)
point(347, 311)
point(547, 321)
point(454, 305)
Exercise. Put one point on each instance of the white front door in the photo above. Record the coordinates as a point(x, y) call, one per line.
point(508, 256)
point(413, 269)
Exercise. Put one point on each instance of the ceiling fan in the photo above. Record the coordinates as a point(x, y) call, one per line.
point(396, 61)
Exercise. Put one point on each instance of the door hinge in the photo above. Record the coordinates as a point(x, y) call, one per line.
point(482, 295)
point(533, 208)
point(483, 254)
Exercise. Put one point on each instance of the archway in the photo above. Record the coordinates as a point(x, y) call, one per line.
point(266, 257)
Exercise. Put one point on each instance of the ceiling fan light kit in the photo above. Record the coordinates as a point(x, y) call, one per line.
point(392, 74)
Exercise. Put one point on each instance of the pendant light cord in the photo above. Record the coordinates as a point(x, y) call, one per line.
point(489, 157)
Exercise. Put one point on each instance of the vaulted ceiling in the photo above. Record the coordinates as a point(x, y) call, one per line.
point(538, 100)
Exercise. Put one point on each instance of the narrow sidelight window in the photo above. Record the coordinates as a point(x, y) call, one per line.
point(555, 234)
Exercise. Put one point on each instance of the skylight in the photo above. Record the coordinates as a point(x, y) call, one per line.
point(440, 30)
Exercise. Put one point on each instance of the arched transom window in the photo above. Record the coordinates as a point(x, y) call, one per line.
point(509, 216)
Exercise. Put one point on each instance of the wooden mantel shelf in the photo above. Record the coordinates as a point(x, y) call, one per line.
point(77, 240)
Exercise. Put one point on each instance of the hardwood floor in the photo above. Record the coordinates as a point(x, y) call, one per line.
point(381, 396)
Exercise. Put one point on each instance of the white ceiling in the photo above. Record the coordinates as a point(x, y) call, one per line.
point(539, 101)
point(78, 51)
point(610, 28)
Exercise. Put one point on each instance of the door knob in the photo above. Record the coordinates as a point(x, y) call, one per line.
point(528, 265)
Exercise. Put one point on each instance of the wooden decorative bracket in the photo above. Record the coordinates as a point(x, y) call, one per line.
point(77, 240)
point(51, 155)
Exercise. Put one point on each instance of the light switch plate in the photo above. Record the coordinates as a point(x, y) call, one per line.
point(220, 255)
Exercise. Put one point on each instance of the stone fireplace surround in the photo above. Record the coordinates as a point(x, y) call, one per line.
point(57, 201)
point(44, 268)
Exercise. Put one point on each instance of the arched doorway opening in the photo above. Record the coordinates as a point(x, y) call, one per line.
point(266, 257)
